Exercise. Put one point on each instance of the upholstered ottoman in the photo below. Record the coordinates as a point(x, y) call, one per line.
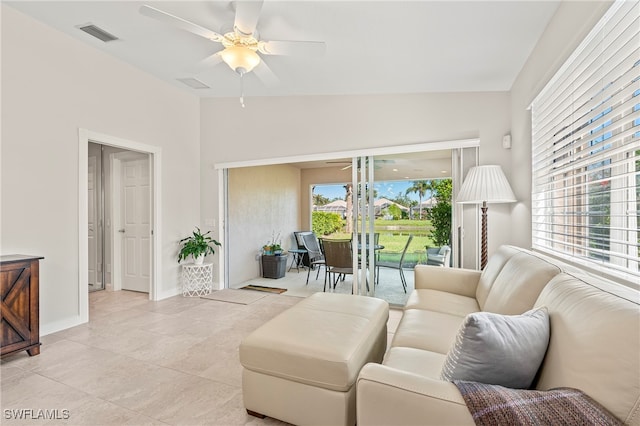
point(302, 365)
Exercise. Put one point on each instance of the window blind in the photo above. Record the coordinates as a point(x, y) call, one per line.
point(586, 150)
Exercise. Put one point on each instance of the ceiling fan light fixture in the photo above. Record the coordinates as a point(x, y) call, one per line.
point(241, 59)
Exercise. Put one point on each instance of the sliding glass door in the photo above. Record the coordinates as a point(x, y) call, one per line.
point(363, 225)
point(400, 208)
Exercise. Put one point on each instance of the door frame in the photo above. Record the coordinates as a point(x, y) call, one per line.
point(222, 168)
point(84, 137)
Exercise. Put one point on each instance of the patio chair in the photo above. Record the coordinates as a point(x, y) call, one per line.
point(396, 265)
point(300, 244)
point(438, 256)
point(316, 257)
point(338, 260)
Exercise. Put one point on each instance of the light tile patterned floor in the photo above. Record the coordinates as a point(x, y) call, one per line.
point(142, 363)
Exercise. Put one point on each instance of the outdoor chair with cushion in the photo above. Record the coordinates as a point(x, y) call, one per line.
point(396, 265)
point(438, 256)
point(314, 251)
point(300, 244)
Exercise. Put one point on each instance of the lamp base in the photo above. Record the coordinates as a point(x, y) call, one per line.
point(483, 247)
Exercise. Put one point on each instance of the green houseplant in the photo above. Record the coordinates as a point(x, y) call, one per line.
point(197, 245)
point(273, 247)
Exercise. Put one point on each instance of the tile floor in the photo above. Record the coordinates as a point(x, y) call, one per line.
point(139, 362)
point(389, 286)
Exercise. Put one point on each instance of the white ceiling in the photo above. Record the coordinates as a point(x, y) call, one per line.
point(372, 47)
point(413, 166)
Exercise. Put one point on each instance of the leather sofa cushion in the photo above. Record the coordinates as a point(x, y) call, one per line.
point(519, 284)
point(427, 330)
point(442, 301)
point(494, 265)
point(322, 341)
point(416, 361)
point(595, 342)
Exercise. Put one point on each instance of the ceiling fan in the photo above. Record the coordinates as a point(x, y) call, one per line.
point(377, 163)
point(242, 46)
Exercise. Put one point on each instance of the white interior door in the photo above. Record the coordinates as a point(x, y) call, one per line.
point(93, 223)
point(136, 224)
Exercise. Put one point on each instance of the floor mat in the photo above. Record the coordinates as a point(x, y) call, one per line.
point(235, 296)
point(275, 290)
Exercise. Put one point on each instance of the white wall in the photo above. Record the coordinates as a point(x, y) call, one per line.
point(51, 86)
point(568, 27)
point(288, 126)
point(262, 201)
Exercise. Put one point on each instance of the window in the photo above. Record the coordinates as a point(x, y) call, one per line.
point(586, 150)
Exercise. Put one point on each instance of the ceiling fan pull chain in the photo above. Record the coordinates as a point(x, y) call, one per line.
point(242, 89)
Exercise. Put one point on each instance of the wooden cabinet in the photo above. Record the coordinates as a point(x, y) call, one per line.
point(19, 305)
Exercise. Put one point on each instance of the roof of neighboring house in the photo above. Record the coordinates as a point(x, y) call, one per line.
point(429, 202)
point(383, 203)
point(334, 206)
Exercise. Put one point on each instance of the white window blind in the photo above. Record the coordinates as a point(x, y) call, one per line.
point(586, 150)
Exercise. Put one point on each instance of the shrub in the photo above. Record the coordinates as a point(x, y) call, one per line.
point(395, 211)
point(440, 214)
point(325, 223)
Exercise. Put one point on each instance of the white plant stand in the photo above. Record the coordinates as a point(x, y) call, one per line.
point(197, 280)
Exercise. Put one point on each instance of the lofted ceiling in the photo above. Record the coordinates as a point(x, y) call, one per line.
point(372, 47)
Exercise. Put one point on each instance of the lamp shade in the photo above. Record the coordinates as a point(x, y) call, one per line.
point(485, 184)
point(240, 58)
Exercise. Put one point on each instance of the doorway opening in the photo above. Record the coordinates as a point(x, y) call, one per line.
point(119, 221)
point(284, 186)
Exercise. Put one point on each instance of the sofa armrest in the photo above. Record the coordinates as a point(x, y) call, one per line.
point(452, 280)
point(388, 396)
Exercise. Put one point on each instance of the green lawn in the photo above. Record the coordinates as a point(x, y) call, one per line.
point(393, 236)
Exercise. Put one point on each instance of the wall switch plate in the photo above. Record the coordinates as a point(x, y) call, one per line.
point(506, 141)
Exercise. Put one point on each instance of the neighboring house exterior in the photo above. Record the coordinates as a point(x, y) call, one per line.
point(336, 206)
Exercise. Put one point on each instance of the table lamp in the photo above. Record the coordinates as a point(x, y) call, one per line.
point(484, 185)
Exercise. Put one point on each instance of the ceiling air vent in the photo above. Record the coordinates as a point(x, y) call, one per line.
point(98, 33)
point(193, 83)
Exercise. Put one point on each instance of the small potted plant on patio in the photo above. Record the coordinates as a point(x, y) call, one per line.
point(273, 263)
point(273, 248)
point(197, 246)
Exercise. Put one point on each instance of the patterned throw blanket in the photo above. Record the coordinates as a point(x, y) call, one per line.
point(497, 405)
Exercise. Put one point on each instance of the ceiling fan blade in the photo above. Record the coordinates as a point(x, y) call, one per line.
point(265, 75)
point(176, 21)
point(209, 62)
point(247, 14)
point(293, 48)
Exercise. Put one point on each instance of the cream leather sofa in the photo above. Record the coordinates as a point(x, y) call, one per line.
point(594, 344)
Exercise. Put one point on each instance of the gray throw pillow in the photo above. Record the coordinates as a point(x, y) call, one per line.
point(504, 350)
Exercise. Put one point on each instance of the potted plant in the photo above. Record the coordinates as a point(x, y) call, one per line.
point(273, 247)
point(197, 246)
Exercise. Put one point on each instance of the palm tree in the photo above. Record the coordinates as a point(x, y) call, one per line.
point(349, 213)
point(420, 187)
